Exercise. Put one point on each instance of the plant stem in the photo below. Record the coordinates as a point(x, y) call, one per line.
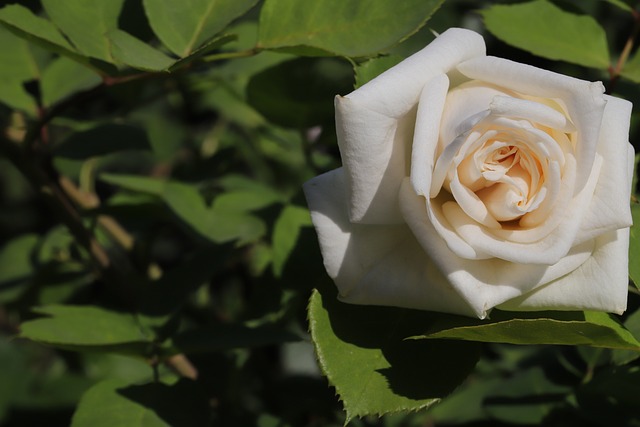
point(614, 72)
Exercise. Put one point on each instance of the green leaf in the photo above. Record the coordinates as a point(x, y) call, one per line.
point(102, 139)
point(546, 30)
point(372, 68)
point(526, 398)
point(624, 5)
point(204, 50)
point(595, 329)
point(83, 326)
point(375, 370)
point(632, 323)
point(184, 26)
point(137, 54)
point(13, 94)
point(25, 24)
point(299, 93)
point(86, 23)
point(631, 69)
point(246, 200)
point(634, 245)
point(285, 234)
point(23, 61)
point(115, 403)
point(186, 202)
point(57, 85)
point(342, 27)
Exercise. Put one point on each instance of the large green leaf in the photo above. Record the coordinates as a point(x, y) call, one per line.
point(184, 26)
point(218, 225)
point(546, 30)
point(375, 370)
point(24, 23)
point(372, 68)
point(86, 23)
point(83, 326)
point(631, 69)
point(116, 403)
point(23, 61)
point(135, 53)
point(285, 234)
point(595, 329)
point(344, 27)
point(56, 84)
point(634, 245)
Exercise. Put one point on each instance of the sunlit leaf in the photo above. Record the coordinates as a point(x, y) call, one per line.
point(86, 23)
point(595, 329)
point(116, 403)
point(24, 23)
point(364, 354)
point(186, 202)
point(185, 26)
point(372, 68)
point(546, 30)
point(83, 326)
point(137, 54)
point(343, 27)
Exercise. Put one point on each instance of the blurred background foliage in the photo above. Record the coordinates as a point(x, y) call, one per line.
point(156, 253)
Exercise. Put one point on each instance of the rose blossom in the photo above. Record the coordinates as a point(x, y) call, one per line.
point(471, 182)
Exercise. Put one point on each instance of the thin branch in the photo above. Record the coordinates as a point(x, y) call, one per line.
point(614, 71)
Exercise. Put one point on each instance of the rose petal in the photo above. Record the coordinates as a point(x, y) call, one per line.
point(609, 208)
point(375, 124)
point(548, 250)
point(584, 100)
point(483, 283)
point(374, 150)
point(375, 264)
point(534, 112)
point(396, 91)
point(598, 284)
point(425, 138)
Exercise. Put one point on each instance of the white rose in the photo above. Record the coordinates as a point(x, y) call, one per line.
point(471, 182)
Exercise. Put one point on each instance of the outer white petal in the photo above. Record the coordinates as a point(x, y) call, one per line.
point(599, 284)
point(609, 208)
point(483, 283)
point(375, 264)
point(584, 100)
point(374, 154)
point(375, 124)
point(396, 91)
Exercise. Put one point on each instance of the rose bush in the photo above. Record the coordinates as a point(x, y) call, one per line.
point(471, 182)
